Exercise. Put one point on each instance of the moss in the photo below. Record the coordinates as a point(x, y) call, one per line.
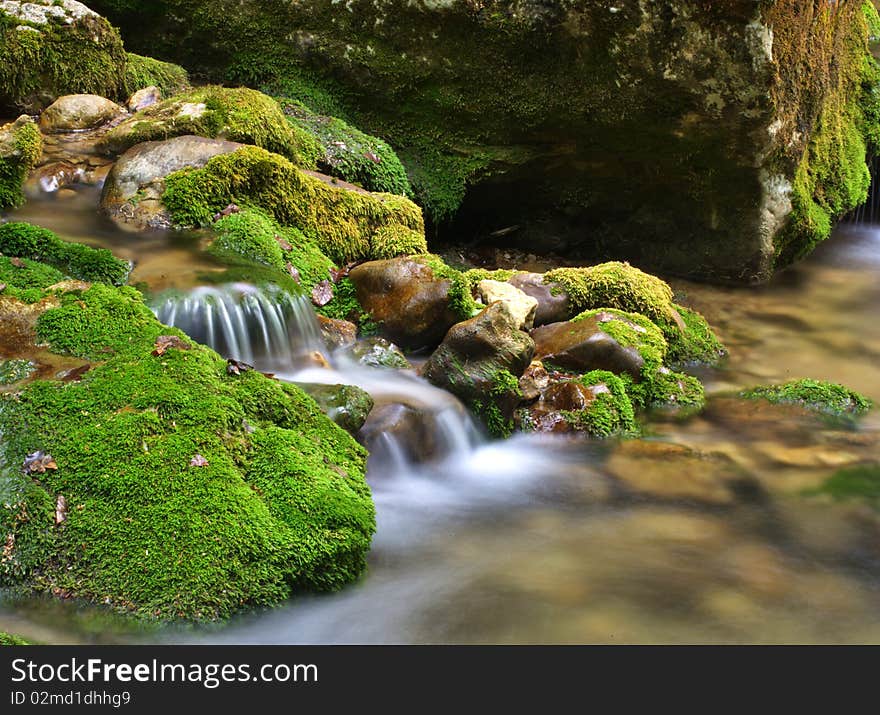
point(281, 505)
point(503, 390)
point(73, 259)
point(462, 284)
point(676, 389)
point(826, 397)
point(862, 483)
point(12, 371)
point(633, 331)
point(249, 234)
point(342, 223)
point(345, 305)
point(142, 72)
point(10, 639)
point(696, 343)
point(36, 67)
point(18, 155)
point(235, 114)
point(349, 153)
point(396, 240)
point(611, 413)
point(347, 405)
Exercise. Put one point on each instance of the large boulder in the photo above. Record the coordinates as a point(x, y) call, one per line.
point(480, 361)
point(409, 303)
point(75, 112)
point(714, 139)
point(49, 48)
point(133, 190)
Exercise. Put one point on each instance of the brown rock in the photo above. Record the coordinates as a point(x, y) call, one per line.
point(553, 302)
point(76, 112)
point(534, 381)
point(337, 333)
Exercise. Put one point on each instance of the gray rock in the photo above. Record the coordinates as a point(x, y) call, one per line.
point(74, 112)
point(554, 304)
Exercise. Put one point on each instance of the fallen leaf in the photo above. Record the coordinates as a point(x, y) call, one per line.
point(198, 461)
point(38, 463)
point(285, 246)
point(60, 510)
point(236, 367)
point(337, 274)
point(75, 373)
point(322, 293)
point(17, 262)
point(230, 209)
point(372, 157)
point(2, 287)
point(164, 342)
point(294, 273)
point(8, 547)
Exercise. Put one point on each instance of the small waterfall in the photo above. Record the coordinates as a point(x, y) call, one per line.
point(269, 329)
point(868, 212)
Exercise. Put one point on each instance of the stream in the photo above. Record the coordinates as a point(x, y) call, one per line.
point(533, 539)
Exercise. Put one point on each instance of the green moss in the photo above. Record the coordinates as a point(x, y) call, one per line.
point(15, 370)
point(675, 388)
point(342, 223)
point(632, 330)
point(827, 397)
point(396, 240)
point(345, 305)
point(85, 57)
point(249, 234)
point(235, 114)
point(349, 153)
point(141, 72)
point(462, 302)
point(281, 505)
point(28, 274)
point(696, 343)
point(862, 483)
point(10, 639)
point(611, 413)
point(19, 153)
point(73, 259)
point(503, 390)
point(347, 405)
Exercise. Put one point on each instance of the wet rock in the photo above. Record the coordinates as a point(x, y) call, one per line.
point(481, 361)
point(398, 430)
point(378, 352)
point(660, 470)
point(143, 98)
point(547, 414)
point(52, 177)
point(554, 305)
point(337, 333)
point(77, 112)
point(534, 381)
point(347, 405)
point(407, 301)
point(133, 190)
point(522, 307)
point(583, 345)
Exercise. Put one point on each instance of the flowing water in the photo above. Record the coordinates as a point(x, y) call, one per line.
point(700, 532)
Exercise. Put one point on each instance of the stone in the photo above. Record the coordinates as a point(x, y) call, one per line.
point(77, 112)
point(410, 304)
point(522, 307)
point(554, 305)
point(337, 333)
point(397, 430)
point(378, 353)
point(50, 178)
point(480, 361)
point(143, 98)
point(582, 345)
point(347, 405)
point(133, 189)
point(534, 381)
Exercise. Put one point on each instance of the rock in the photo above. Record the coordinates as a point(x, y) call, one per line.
point(397, 430)
point(522, 307)
point(133, 189)
point(749, 92)
point(143, 98)
point(20, 148)
point(554, 305)
point(337, 333)
point(58, 48)
point(534, 381)
point(410, 305)
point(480, 361)
point(76, 112)
point(583, 345)
point(378, 352)
point(49, 178)
point(660, 470)
point(346, 405)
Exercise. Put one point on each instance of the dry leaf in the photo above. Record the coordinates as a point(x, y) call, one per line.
point(17, 262)
point(198, 461)
point(285, 246)
point(294, 273)
point(230, 209)
point(164, 342)
point(322, 293)
point(75, 374)
point(236, 367)
point(60, 510)
point(38, 463)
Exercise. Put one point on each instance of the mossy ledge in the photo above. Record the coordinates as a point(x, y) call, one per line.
point(827, 397)
point(346, 223)
point(188, 493)
point(20, 147)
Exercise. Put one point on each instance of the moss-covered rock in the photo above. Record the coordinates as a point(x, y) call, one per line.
point(715, 139)
point(75, 260)
point(20, 148)
point(187, 492)
point(345, 222)
point(348, 153)
point(347, 405)
point(142, 72)
point(233, 114)
point(827, 397)
point(50, 48)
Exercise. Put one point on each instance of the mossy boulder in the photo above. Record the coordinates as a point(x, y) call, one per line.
point(345, 222)
point(232, 114)
point(142, 72)
point(347, 405)
point(176, 490)
point(49, 48)
point(715, 139)
point(817, 395)
point(20, 148)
